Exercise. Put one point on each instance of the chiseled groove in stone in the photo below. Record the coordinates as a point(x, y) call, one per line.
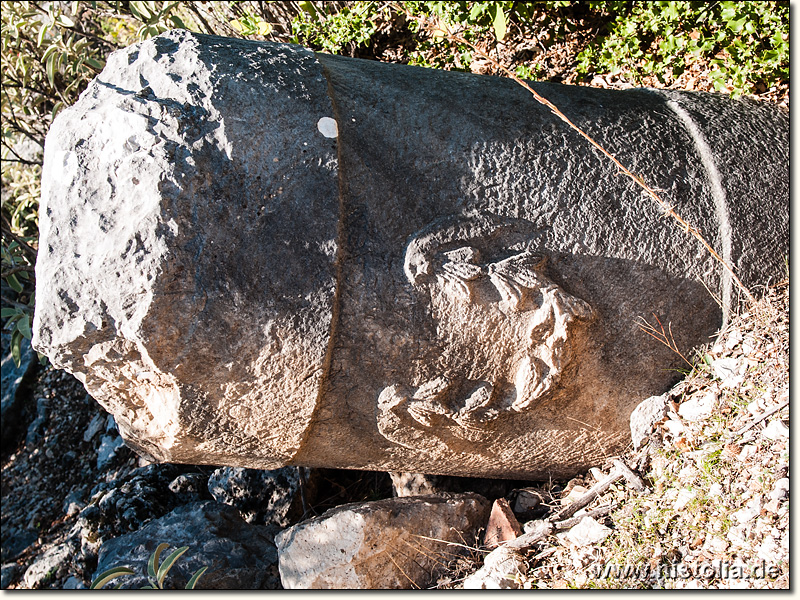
point(341, 235)
point(717, 193)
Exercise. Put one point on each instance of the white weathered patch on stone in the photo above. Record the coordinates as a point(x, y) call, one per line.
point(645, 416)
point(328, 127)
point(164, 232)
point(503, 569)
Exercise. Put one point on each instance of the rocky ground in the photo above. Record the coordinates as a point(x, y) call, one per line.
point(713, 513)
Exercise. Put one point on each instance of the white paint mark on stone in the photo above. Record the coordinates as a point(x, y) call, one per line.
point(717, 192)
point(328, 127)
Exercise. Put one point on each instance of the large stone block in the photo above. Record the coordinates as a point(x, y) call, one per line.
point(256, 256)
point(398, 543)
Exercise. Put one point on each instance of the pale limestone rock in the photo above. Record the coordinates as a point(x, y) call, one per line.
point(645, 416)
point(397, 543)
point(775, 430)
point(503, 569)
point(699, 407)
point(177, 289)
point(588, 531)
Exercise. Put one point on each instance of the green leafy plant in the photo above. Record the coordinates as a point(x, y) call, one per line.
point(745, 43)
point(357, 25)
point(155, 573)
point(250, 24)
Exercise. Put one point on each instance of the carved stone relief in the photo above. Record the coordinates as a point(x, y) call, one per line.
point(455, 262)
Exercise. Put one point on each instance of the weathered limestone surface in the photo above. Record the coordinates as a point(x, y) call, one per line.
point(398, 543)
point(257, 256)
point(189, 230)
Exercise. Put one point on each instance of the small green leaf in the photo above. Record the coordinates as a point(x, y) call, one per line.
point(176, 21)
point(476, 10)
point(14, 283)
point(167, 564)
point(7, 312)
point(152, 563)
point(141, 11)
point(42, 32)
point(24, 326)
point(92, 62)
point(264, 28)
point(193, 581)
point(50, 68)
point(108, 575)
point(308, 7)
point(11, 324)
point(16, 339)
point(65, 21)
point(50, 50)
point(499, 23)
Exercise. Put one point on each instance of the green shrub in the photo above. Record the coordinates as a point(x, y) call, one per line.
point(745, 43)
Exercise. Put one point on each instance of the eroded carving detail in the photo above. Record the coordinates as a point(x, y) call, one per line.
point(530, 316)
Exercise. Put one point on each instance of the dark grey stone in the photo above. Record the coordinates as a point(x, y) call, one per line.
point(48, 566)
point(16, 541)
point(257, 256)
point(261, 497)
point(418, 484)
point(238, 555)
point(9, 574)
point(190, 487)
point(34, 433)
point(13, 388)
point(109, 445)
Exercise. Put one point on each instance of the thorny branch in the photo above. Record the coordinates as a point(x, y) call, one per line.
point(668, 210)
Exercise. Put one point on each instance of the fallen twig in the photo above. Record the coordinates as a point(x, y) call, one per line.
point(600, 511)
point(540, 531)
point(763, 416)
point(587, 498)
